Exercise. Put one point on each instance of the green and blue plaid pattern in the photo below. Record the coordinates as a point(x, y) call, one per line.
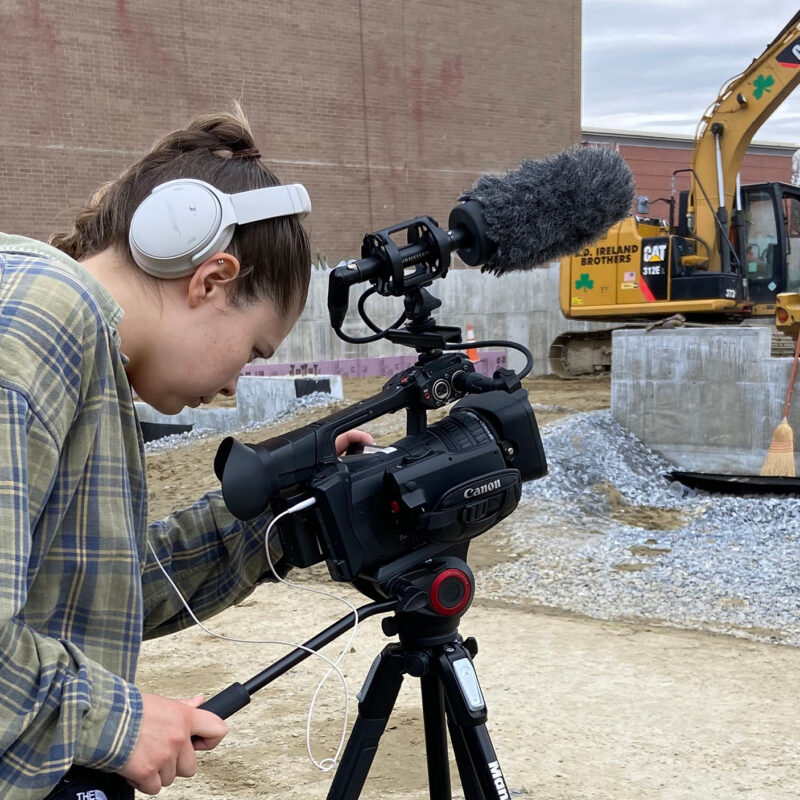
point(78, 585)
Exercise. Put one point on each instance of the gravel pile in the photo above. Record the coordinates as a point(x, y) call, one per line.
point(607, 535)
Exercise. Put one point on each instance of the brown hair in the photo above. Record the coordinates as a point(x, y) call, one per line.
point(218, 149)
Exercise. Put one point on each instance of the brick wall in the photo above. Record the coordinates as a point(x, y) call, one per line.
point(653, 159)
point(385, 109)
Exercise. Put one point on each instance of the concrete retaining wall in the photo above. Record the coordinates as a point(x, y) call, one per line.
point(707, 399)
point(385, 366)
point(520, 306)
point(257, 399)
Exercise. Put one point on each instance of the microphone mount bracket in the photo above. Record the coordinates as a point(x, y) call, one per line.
point(396, 270)
point(424, 257)
point(421, 331)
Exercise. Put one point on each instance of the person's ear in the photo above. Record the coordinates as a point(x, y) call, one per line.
point(212, 278)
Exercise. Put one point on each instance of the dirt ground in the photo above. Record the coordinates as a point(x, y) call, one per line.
point(578, 708)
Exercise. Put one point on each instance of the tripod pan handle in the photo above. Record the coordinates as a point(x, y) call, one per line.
point(228, 701)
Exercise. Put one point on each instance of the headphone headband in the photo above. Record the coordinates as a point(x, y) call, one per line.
point(182, 222)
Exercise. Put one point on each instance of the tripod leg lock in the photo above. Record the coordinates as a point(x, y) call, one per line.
point(468, 683)
point(458, 675)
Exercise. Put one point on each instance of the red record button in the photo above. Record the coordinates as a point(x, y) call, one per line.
point(450, 592)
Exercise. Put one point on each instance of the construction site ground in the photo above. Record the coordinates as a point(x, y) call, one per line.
point(578, 708)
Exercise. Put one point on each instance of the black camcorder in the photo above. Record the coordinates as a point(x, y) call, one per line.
point(381, 511)
point(409, 501)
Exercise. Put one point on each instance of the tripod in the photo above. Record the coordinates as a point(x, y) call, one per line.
point(451, 701)
point(427, 602)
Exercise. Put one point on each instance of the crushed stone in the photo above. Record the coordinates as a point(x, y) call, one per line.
point(608, 535)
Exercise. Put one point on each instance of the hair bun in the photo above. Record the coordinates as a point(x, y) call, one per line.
point(225, 135)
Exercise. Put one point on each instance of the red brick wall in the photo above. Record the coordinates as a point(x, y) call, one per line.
point(385, 109)
point(653, 165)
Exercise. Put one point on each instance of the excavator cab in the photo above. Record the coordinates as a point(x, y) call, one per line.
point(769, 243)
point(787, 302)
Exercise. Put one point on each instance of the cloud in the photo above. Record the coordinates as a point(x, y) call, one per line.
point(656, 66)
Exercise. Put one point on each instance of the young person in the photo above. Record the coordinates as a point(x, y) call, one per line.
point(82, 323)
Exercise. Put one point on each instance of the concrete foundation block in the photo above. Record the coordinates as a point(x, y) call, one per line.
point(707, 399)
point(257, 399)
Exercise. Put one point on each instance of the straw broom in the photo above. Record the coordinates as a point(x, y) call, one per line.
point(780, 456)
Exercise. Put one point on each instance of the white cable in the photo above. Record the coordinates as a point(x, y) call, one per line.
point(327, 763)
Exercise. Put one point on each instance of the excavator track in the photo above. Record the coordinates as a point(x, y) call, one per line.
point(581, 353)
point(577, 354)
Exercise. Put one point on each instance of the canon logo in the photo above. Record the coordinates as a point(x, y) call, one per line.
point(479, 490)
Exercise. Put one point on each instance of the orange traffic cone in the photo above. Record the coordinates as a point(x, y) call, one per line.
point(472, 353)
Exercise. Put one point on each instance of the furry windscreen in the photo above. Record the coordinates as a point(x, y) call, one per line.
point(547, 209)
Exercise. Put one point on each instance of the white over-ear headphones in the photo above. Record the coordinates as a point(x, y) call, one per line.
point(182, 222)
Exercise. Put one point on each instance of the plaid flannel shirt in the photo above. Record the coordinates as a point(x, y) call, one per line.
point(78, 586)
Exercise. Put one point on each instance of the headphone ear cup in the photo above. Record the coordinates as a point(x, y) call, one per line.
point(177, 221)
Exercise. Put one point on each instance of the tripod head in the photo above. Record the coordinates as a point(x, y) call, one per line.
point(431, 599)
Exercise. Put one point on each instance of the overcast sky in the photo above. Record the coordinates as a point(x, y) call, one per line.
point(654, 66)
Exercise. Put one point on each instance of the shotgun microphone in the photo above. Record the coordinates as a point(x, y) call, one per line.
point(520, 220)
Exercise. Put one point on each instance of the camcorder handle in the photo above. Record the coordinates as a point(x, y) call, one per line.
point(251, 475)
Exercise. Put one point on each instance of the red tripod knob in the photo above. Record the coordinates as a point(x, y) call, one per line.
point(451, 592)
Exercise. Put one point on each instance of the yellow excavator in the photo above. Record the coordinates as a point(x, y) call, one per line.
point(726, 251)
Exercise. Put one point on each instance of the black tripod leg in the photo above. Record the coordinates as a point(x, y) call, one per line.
point(435, 737)
point(376, 701)
point(478, 766)
point(466, 769)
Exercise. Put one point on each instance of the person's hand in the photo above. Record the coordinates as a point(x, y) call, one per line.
point(344, 440)
point(165, 749)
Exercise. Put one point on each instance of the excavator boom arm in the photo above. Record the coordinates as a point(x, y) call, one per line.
point(729, 124)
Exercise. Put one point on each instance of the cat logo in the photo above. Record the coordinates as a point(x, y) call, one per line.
point(654, 252)
point(790, 56)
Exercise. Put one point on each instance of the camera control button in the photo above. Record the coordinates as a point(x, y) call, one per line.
point(441, 389)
